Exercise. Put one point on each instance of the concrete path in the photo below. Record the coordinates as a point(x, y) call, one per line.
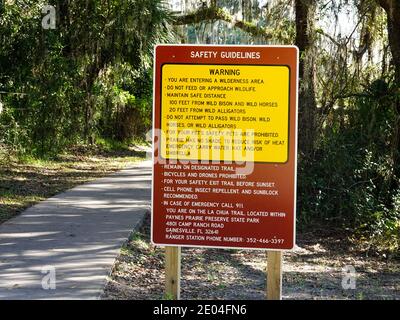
point(75, 235)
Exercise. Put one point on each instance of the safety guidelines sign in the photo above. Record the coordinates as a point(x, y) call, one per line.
point(225, 146)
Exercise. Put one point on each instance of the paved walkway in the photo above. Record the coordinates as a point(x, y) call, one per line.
point(76, 235)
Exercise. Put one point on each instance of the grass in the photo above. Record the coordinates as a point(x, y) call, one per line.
point(26, 181)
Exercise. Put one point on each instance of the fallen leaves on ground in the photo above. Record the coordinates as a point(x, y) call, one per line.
point(314, 270)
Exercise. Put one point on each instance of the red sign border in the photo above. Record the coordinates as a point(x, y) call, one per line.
point(295, 146)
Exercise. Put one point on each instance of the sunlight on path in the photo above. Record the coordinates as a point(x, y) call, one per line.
point(73, 237)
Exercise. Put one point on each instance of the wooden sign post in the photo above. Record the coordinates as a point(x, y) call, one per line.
point(274, 275)
point(224, 152)
point(172, 272)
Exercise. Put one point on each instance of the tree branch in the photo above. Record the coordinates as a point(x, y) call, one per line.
point(214, 13)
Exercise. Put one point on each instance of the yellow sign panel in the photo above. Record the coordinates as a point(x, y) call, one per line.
point(225, 112)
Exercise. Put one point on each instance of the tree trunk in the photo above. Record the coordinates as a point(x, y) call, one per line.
point(63, 8)
point(305, 11)
point(392, 9)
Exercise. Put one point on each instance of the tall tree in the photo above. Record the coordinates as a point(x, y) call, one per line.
point(305, 37)
point(392, 9)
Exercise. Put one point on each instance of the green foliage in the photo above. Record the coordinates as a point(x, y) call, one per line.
point(124, 102)
point(89, 78)
point(109, 145)
point(351, 181)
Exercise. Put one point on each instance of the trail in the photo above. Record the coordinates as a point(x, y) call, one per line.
point(72, 238)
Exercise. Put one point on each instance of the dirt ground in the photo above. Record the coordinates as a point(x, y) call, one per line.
point(313, 271)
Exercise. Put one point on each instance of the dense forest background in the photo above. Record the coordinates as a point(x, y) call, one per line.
point(85, 78)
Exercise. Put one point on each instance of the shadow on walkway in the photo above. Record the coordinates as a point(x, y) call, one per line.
point(78, 233)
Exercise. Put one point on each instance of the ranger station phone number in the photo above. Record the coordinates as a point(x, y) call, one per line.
point(265, 241)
